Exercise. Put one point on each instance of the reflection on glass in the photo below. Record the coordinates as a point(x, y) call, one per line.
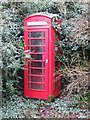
point(36, 86)
point(36, 42)
point(36, 79)
point(37, 34)
point(36, 71)
point(36, 56)
point(36, 64)
point(36, 49)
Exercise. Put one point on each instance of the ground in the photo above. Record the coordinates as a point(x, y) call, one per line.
point(61, 107)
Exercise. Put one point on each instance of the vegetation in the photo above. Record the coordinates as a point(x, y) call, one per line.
point(74, 43)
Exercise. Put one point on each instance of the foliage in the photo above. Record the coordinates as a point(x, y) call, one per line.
point(20, 107)
point(84, 99)
point(9, 87)
point(12, 49)
point(74, 44)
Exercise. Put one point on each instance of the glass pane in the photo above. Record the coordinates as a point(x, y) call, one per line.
point(43, 64)
point(37, 34)
point(29, 78)
point(29, 42)
point(29, 34)
point(44, 33)
point(43, 49)
point(36, 78)
point(36, 71)
point(29, 71)
point(36, 42)
point(36, 49)
point(36, 86)
point(36, 64)
point(36, 56)
point(43, 42)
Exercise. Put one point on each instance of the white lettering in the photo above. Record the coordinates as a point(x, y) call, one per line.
point(37, 23)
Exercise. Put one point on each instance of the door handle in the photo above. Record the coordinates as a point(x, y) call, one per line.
point(46, 60)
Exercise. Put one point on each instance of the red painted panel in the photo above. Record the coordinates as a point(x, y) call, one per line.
point(37, 78)
point(40, 79)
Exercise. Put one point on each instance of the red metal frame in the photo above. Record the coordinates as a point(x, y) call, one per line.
point(44, 53)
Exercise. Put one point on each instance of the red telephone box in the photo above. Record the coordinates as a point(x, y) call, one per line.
point(42, 72)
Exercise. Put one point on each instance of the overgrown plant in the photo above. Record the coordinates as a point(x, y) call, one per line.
point(74, 43)
point(12, 50)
